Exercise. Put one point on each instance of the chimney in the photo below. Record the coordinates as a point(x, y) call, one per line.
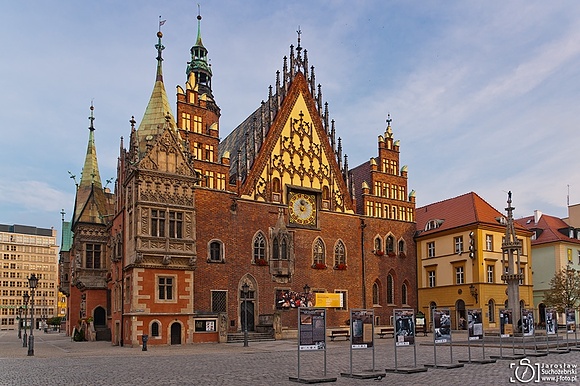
point(537, 216)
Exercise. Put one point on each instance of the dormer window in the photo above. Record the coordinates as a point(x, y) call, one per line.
point(433, 224)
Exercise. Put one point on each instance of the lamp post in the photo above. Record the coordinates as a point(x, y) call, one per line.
point(32, 283)
point(25, 298)
point(306, 289)
point(245, 290)
point(20, 322)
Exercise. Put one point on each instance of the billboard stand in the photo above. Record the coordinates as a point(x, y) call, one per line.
point(311, 337)
point(362, 332)
point(404, 336)
point(528, 329)
point(475, 333)
point(441, 335)
point(571, 327)
point(506, 322)
point(552, 329)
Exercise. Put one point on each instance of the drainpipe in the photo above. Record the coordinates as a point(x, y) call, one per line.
point(362, 250)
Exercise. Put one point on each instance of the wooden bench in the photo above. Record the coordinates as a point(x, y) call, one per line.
point(383, 331)
point(337, 333)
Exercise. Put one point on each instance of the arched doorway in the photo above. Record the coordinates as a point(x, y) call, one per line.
point(247, 304)
point(100, 317)
point(175, 333)
point(461, 316)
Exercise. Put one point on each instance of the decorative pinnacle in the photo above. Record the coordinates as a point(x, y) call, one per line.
point(299, 32)
point(92, 118)
point(389, 120)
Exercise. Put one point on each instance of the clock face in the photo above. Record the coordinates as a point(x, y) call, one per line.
point(302, 208)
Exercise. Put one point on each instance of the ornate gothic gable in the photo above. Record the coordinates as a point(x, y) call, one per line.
point(297, 152)
point(166, 155)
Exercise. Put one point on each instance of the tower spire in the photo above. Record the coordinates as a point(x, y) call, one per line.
point(199, 65)
point(160, 47)
point(90, 175)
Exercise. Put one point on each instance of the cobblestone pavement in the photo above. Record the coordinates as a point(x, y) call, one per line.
point(59, 361)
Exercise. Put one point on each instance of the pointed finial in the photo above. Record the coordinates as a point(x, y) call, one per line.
point(132, 122)
point(389, 120)
point(92, 118)
point(62, 213)
point(299, 32)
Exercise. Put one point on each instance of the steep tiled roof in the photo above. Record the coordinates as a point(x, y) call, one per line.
point(456, 212)
point(547, 229)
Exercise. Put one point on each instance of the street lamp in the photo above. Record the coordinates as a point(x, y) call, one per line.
point(20, 322)
point(473, 291)
point(25, 298)
point(32, 283)
point(306, 289)
point(245, 290)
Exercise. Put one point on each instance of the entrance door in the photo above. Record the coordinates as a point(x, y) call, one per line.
point(100, 317)
point(461, 315)
point(247, 314)
point(176, 333)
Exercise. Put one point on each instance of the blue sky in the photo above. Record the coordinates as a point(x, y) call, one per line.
point(483, 94)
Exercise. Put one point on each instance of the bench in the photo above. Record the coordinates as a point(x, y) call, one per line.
point(386, 331)
point(337, 333)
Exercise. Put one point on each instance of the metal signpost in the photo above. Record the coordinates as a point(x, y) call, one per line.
point(475, 333)
point(311, 337)
point(361, 339)
point(404, 336)
point(506, 323)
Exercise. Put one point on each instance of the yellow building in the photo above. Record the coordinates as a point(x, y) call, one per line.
point(460, 263)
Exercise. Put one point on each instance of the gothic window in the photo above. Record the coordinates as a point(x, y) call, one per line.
point(259, 247)
point(339, 255)
point(276, 185)
point(376, 293)
point(401, 247)
point(157, 223)
point(276, 249)
point(390, 289)
point(404, 294)
point(318, 252)
point(216, 254)
point(390, 247)
point(378, 244)
point(93, 256)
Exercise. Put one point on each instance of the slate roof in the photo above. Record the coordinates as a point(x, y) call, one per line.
point(547, 229)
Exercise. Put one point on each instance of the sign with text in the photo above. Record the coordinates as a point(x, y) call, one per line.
point(312, 328)
point(326, 299)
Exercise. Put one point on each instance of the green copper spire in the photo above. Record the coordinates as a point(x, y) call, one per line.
point(90, 175)
point(199, 64)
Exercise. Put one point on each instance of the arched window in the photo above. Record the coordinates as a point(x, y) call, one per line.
point(404, 294)
point(378, 244)
point(155, 329)
point(216, 251)
point(259, 247)
point(401, 247)
point(390, 247)
point(318, 252)
point(339, 255)
point(491, 310)
point(276, 249)
point(284, 249)
point(376, 294)
point(276, 185)
point(390, 286)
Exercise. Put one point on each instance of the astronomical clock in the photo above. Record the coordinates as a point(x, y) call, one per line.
point(302, 209)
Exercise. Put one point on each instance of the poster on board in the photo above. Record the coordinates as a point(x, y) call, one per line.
point(404, 327)
point(551, 321)
point(361, 325)
point(312, 329)
point(474, 324)
point(442, 325)
point(506, 323)
point(570, 320)
point(527, 322)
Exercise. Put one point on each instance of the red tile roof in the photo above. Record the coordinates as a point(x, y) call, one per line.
point(456, 212)
point(549, 226)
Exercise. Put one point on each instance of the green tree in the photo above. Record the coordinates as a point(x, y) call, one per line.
point(564, 290)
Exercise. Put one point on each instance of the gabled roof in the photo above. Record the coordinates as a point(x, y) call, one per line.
point(547, 229)
point(457, 212)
